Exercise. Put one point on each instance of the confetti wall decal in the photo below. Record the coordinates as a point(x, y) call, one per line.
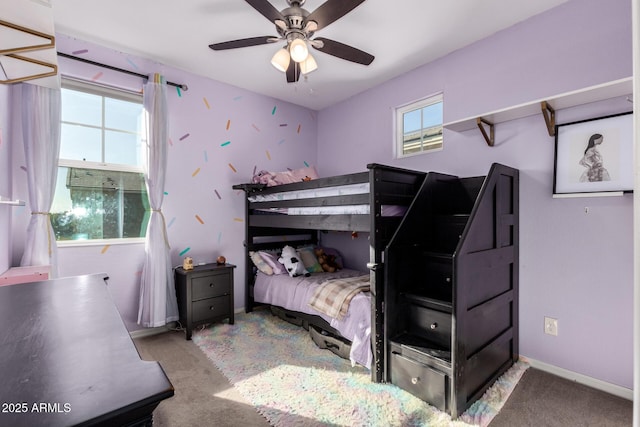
point(206, 103)
point(281, 142)
point(224, 144)
point(237, 98)
point(273, 112)
point(268, 155)
point(133, 64)
point(196, 172)
point(185, 136)
point(206, 156)
point(80, 52)
point(24, 168)
point(255, 127)
point(306, 164)
point(166, 193)
point(219, 237)
point(236, 219)
point(170, 142)
point(185, 251)
point(228, 124)
point(217, 194)
point(171, 222)
point(97, 76)
point(105, 249)
point(299, 127)
point(179, 91)
point(283, 125)
point(232, 168)
point(199, 219)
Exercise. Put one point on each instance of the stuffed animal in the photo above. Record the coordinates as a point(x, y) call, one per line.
point(326, 261)
point(292, 263)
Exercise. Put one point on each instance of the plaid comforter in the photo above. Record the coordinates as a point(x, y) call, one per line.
point(333, 296)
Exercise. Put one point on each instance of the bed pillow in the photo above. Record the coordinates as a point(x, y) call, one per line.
point(332, 251)
point(272, 261)
point(260, 263)
point(309, 259)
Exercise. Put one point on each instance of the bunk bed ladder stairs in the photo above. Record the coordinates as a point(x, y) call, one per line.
point(451, 289)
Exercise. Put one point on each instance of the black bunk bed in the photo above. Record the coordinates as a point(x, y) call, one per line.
point(443, 272)
point(388, 186)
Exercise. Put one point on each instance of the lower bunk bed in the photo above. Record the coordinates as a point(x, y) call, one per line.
point(295, 299)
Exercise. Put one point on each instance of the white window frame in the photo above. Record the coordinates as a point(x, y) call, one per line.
point(122, 94)
point(399, 113)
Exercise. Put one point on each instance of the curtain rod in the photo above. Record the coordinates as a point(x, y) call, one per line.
point(87, 61)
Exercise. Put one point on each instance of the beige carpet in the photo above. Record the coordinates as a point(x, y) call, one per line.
point(204, 397)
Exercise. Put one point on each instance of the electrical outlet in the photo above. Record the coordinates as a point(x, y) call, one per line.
point(551, 326)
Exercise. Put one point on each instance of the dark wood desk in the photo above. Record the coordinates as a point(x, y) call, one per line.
point(66, 358)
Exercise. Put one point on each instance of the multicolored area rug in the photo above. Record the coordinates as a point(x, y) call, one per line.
point(291, 382)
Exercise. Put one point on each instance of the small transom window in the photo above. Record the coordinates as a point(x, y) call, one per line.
point(419, 127)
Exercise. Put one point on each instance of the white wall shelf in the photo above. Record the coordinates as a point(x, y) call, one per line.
point(587, 95)
point(6, 201)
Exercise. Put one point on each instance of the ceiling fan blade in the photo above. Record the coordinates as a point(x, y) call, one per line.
point(251, 41)
point(342, 51)
point(332, 10)
point(266, 9)
point(293, 72)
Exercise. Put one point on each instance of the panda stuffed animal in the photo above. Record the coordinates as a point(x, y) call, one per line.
point(293, 264)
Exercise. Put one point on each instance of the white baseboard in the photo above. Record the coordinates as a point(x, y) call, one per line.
point(147, 332)
point(616, 390)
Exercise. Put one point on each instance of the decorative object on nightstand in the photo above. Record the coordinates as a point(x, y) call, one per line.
point(221, 260)
point(187, 264)
point(205, 294)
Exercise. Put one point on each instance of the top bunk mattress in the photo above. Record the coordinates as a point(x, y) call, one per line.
point(321, 193)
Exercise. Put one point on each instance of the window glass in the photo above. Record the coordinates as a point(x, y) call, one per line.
point(99, 204)
point(419, 127)
point(100, 190)
point(82, 108)
point(80, 143)
point(123, 148)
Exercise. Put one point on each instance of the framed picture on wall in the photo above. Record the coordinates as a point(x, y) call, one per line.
point(594, 157)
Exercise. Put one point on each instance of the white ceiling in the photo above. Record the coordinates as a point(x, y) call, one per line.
point(402, 35)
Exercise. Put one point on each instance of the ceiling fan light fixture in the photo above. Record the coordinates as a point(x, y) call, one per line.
point(281, 60)
point(299, 50)
point(308, 65)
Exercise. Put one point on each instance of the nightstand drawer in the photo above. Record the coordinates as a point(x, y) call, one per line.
point(210, 308)
point(212, 285)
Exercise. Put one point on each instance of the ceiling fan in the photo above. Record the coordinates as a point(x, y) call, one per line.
point(296, 26)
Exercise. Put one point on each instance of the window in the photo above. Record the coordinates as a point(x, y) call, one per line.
point(419, 127)
point(100, 192)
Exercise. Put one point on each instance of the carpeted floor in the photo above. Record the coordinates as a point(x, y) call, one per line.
point(204, 396)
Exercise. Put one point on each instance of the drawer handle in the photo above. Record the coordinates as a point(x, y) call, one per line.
point(448, 279)
point(415, 380)
point(211, 285)
point(210, 307)
point(434, 325)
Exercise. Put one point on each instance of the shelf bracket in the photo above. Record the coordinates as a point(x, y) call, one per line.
point(481, 125)
point(549, 115)
point(48, 43)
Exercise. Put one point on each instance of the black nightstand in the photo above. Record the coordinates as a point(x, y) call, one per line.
point(205, 294)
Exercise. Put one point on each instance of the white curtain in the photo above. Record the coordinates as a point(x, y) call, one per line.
point(158, 304)
point(41, 114)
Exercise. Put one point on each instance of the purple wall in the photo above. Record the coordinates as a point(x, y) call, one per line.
point(219, 134)
point(574, 266)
